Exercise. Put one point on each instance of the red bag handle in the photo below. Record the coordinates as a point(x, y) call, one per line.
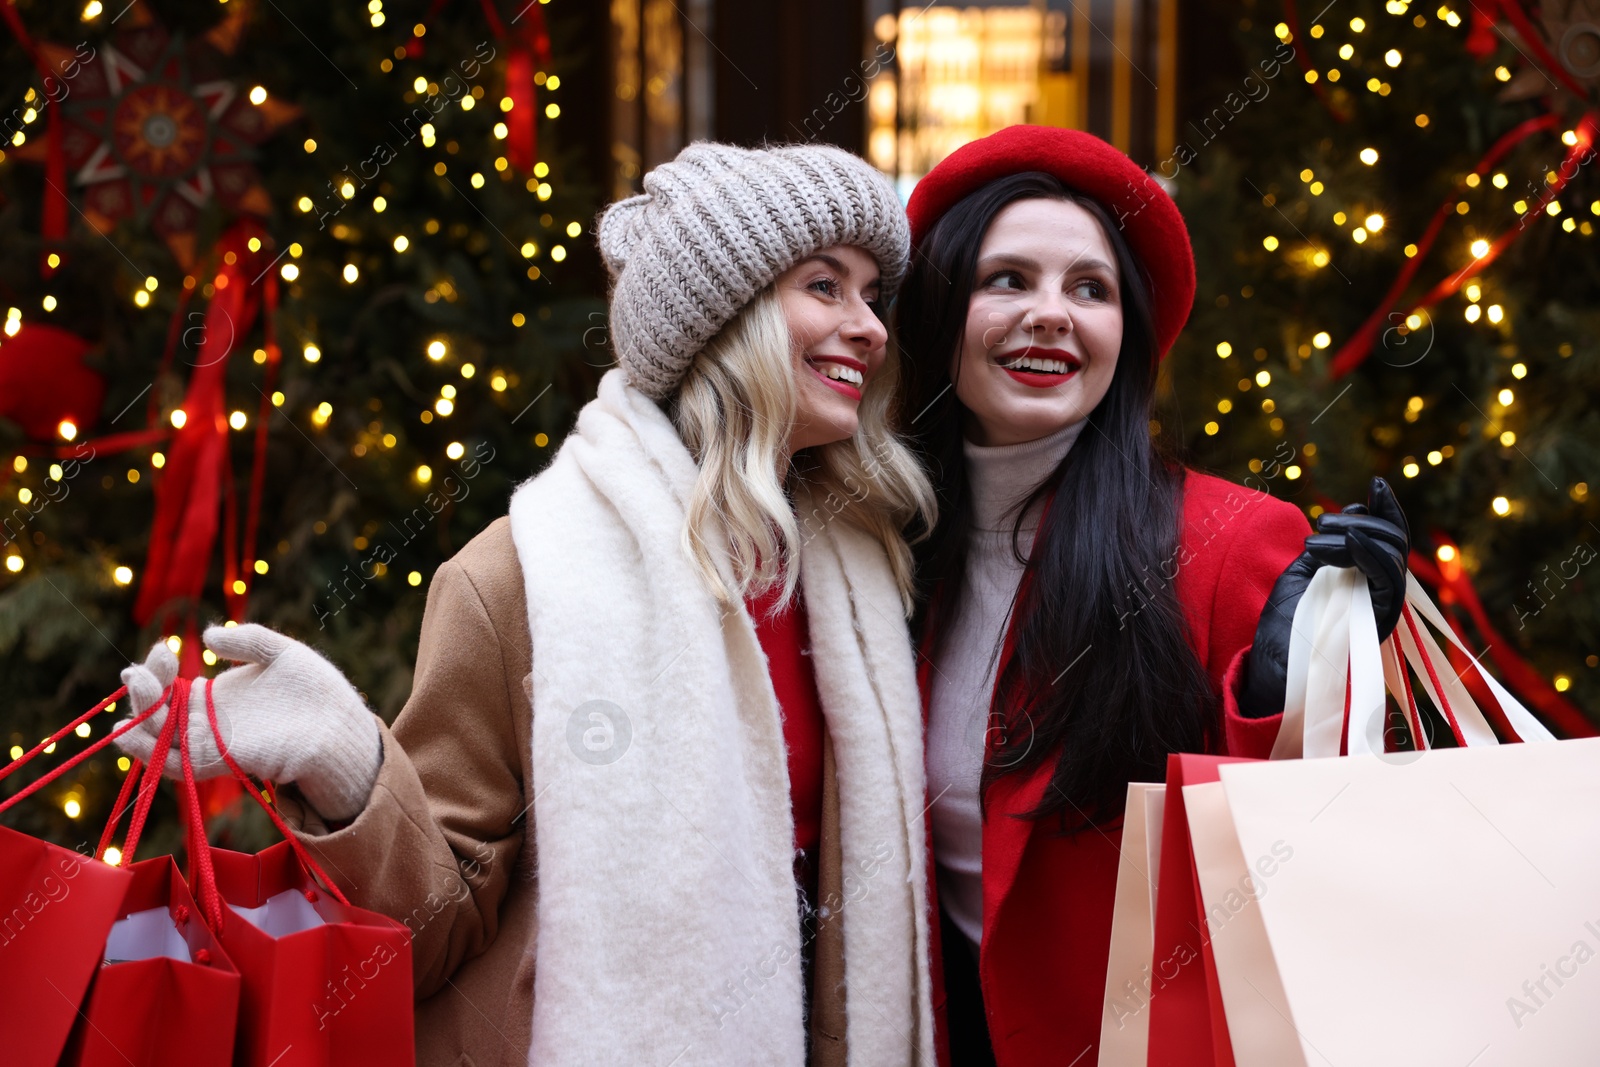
point(52, 775)
point(300, 850)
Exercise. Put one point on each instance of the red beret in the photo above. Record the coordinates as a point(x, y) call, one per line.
point(1149, 219)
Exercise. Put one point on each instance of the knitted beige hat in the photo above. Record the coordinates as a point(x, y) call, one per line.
point(717, 225)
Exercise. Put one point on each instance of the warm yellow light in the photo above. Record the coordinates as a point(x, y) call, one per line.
point(1411, 470)
point(424, 474)
point(468, 370)
point(1346, 51)
point(277, 398)
point(91, 10)
point(1358, 235)
point(1322, 339)
point(401, 243)
point(49, 302)
point(258, 95)
point(1508, 438)
point(1358, 24)
point(1319, 258)
point(351, 273)
point(1435, 458)
point(312, 353)
point(157, 460)
point(67, 429)
point(261, 566)
point(72, 808)
point(379, 203)
point(1496, 313)
point(421, 84)
point(1263, 378)
point(179, 417)
point(122, 575)
point(1392, 57)
point(1369, 156)
point(113, 855)
point(498, 383)
point(1501, 506)
point(436, 350)
point(237, 420)
point(1480, 248)
point(552, 111)
point(1519, 370)
point(1315, 188)
point(444, 406)
point(545, 190)
point(290, 272)
point(529, 250)
point(558, 253)
point(1563, 683)
point(414, 578)
point(1374, 222)
point(13, 563)
point(310, 145)
point(347, 189)
point(1270, 243)
point(1473, 312)
point(1446, 553)
point(141, 298)
point(1211, 429)
point(304, 204)
point(455, 450)
point(1473, 291)
point(1224, 349)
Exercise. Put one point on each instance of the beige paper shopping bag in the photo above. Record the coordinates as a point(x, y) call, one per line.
point(1125, 1026)
point(1439, 910)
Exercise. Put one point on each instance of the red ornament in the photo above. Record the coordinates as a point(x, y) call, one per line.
point(43, 382)
point(154, 131)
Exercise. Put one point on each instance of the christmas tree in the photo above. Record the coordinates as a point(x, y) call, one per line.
point(1393, 208)
point(296, 294)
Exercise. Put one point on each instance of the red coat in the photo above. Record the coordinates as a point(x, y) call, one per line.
point(1047, 899)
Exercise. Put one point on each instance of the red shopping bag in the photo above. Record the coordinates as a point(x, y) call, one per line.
point(166, 992)
point(326, 984)
point(1187, 1024)
point(56, 908)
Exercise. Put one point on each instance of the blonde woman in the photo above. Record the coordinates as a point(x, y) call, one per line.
point(657, 794)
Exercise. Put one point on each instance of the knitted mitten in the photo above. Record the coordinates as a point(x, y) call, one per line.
point(286, 715)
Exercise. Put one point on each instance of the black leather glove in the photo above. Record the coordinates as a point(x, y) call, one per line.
point(1373, 537)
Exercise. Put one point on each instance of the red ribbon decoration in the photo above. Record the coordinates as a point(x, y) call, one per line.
point(530, 51)
point(189, 493)
point(53, 223)
point(1355, 351)
point(1291, 18)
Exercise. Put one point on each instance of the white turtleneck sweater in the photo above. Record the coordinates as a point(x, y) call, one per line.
point(1000, 478)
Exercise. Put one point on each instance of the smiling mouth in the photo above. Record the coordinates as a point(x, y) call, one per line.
point(1043, 363)
point(837, 372)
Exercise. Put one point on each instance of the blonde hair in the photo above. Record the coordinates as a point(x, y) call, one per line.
point(735, 409)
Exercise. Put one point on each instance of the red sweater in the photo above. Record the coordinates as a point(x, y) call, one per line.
point(785, 638)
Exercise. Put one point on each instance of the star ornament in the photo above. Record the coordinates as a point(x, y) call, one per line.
point(156, 133)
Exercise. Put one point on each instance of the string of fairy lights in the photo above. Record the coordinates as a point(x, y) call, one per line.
point(1364, 223)
point(539, 250)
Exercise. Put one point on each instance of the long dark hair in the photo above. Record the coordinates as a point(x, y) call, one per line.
point(1103, 679)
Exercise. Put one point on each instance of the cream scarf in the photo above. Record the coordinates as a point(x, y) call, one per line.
point(668, 922)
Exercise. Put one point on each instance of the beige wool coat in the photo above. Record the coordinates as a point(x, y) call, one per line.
point(443, 843)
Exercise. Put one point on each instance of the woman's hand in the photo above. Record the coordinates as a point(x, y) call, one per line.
point(286, 715)
point(1373, 537)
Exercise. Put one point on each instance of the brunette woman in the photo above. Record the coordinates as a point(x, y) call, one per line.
point(1093, 604)
point(663, 747)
